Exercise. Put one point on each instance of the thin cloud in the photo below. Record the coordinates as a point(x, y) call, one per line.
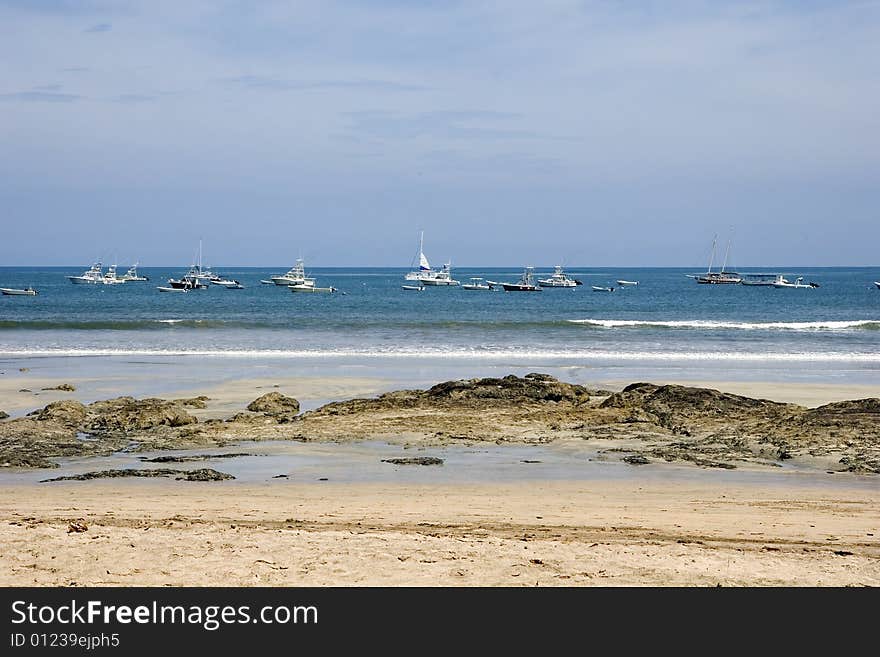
point(132, 98)
point(40, 97)
point(100, 27)
point(75, 69)
point(458, 124)
point(278, 84)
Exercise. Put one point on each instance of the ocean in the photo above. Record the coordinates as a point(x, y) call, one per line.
point(666, 327)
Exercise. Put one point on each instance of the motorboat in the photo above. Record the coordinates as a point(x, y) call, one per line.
point(476, 284)
point(798, 283)
point(110, 277)
point(526, 283)
point(557, 279)
point(263, 281)
point(19, 292)
point(623, 283)
point(441, 277)
point(132, 275)
point(229, 284)
point(722, 277)
point(877, 283)
point(94, 275)
point(763, 279)
point(190, 281)
point(311, 288)
point(413, 288)
point(295, 276)
point(601, 288)
point(173, 289)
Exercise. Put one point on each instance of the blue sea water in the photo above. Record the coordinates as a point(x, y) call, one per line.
point(668, 322)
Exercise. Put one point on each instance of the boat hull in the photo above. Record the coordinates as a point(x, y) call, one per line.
point(12, 292)
point(311, 289)
point(514, 287)
point(550, 283)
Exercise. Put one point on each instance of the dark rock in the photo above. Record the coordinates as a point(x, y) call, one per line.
point(204, 474)
point(64, 387)
point(194, 457)
point(274, 403)
point(77, 527)
point(415, 460)
point(25, 390)
point(636, 459)
point(3, 415)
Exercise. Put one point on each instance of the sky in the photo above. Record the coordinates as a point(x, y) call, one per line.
point(585, 133)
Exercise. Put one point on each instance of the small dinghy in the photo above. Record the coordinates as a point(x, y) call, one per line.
point(600, 288)
point(413, 288)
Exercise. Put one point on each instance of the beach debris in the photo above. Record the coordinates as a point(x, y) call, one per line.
point(415, 460)
point(843, 553)
point(64, 387)
point(77, 527)
point(24, 369)
point(274, 403)
point(25, 390)
point(203, 474)
point(530, 461)
point(184, 458)
point(636, 459)
point(280, 476)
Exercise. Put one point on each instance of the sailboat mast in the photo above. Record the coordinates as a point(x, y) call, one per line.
point(726, 253)
point(712, 256)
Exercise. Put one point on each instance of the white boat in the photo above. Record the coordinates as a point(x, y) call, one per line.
point(601, 288)
point(295, 276)
point(557, 279)
point(526, 283)
point(197, 278)
point(763, 279)
point(798, 284)
point(475, 284)
point(626, 283)
point(132, 275)
point(173, 289)
point(413, 288)
point(719, 277)
point(441, 277)
point(263, 281)
point(427, 276)
point(311, 288)
point(877, 283)
point(229, 284)
point(110, 277)
point(92, 276)
point(18, 292)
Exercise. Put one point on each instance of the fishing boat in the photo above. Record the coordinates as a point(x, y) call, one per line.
point(557, 279)
point(94, 275)
point(19, 292)
point(601, 288)
point(132, 275)
point(228, 283)
point(476, 284)
point(197, 278)
point(413, 288)
point(311, 288)
point(526, 283)
point(623, 283)
point(760, 279)
point(110, 277)
point(719, 277)
point(296, 275)
point(798, 284)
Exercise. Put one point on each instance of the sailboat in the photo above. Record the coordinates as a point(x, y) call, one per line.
point(719, 277)
point(427, 276)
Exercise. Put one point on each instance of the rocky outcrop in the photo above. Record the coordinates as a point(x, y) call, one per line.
point(274, 403)
point(3, 415)
point(415, 460)
point(69, 413)
point(203, 474)
point(64, 387)
point(126, 415)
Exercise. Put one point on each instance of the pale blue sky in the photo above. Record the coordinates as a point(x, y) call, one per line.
point(590, 133)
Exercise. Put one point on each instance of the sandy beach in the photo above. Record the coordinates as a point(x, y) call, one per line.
point(790, 528)
point(529, 534)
